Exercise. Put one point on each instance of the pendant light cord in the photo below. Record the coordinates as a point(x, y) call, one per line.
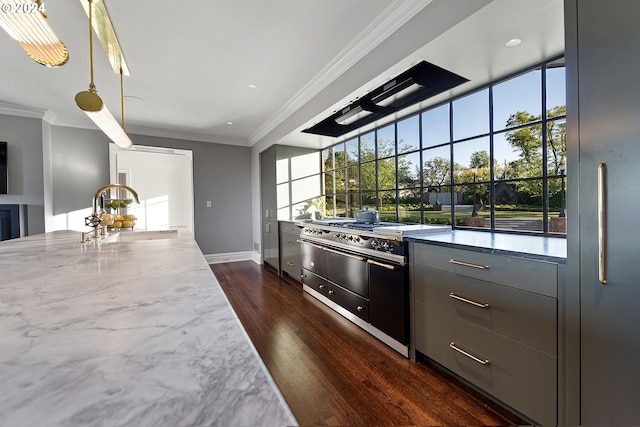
point(92, 86)
point(122, 97)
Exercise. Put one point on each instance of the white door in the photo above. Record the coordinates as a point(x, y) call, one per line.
point(163, 179)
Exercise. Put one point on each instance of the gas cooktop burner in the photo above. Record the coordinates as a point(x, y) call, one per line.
point(351, 224)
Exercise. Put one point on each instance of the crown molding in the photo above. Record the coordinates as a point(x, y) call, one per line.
point(390, 20)
point(187, 136)
point(22, 111)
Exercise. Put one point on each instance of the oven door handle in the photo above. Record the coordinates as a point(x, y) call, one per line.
point(311, 244)
point(381, 264)
point(324, 248)
point(333, 251)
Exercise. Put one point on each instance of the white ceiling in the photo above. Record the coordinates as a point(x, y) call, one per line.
point(192, 62)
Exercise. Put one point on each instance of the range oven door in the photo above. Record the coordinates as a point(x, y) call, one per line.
point(349, 271)
point(389, 299)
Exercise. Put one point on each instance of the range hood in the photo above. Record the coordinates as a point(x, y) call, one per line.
point(420, 82)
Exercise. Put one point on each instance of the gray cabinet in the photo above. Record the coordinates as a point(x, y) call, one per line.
point(290, 258)
point(269, 208)
point(603, 108)
point(492, 320)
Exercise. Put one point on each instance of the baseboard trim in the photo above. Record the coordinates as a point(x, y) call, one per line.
point(229, 257)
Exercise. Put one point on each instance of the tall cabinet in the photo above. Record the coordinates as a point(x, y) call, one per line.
point(603, 119)
point(289, 177)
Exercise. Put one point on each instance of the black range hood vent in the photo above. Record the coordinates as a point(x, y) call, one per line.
point(420, 82)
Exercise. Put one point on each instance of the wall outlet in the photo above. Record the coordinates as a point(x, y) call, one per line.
point(208, 203)
point(256, 246)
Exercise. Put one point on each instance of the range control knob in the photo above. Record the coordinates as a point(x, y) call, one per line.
point(375, 244)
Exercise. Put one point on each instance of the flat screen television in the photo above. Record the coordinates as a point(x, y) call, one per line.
point(4, 173)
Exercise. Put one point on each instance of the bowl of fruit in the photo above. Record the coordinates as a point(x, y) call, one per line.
point(123, 222)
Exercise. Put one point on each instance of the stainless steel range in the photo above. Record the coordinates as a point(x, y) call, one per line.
point(358, 268)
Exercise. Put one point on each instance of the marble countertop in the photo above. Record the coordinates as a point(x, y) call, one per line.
point(135, 333)
point(536, 247)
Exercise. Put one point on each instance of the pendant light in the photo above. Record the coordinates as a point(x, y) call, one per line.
point(27, 24)
point(94, 107)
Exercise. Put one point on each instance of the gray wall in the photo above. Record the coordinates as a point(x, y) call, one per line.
point(80, 165)
point(26, 184)
point(222, 174)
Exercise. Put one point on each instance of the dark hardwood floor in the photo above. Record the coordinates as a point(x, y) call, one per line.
point(331, 372)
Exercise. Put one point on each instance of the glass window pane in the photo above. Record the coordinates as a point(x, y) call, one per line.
point(387, 174)
point(386, 142)
point(505, 158)
point(469, 155)
point(338, 155)
point(556, 146)
point(409, 134)
point(340, 181)
point(556, 87)
point(518, 206)
point(283, 214)
point(409, 170)
point(369, 200)
point(305, 165)
point(283, 195)
point(367, 147)
point(282, 171)
point(517, 101)
point(330, 206)
point(387, 206)
point(527, 144)
point(327, 159)
point(436, 172)
point(341, 205)
point(353, 154)
point(471, 115)
point(469, 209)
point(437, 205)
point(435, 126)
point(329, 187)
point(368, 176)
point(305, 188)
point(558, 205)
point(353, 179)
point(353, 200)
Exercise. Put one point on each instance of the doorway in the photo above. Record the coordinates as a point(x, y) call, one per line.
point(163, 179)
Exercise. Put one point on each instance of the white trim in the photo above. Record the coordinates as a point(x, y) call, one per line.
point(229, 257)
point(392, 18)
point(21, 111)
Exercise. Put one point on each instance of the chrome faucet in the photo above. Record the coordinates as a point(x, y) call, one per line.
point(94, 220)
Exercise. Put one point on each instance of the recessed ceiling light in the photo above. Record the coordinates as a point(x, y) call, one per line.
point(513, 43)
point(229, 123)
point(252, 86)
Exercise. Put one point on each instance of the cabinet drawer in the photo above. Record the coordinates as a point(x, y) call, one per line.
point(521, 377)
point(290, 263)
point(526, 274)
point(289, 229)
point(523, 316)
point(315, 282)
point(289, 243)
point(349, 301)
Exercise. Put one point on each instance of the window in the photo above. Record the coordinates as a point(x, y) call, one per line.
point(492, 160)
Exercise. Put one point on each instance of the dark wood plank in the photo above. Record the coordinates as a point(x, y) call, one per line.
point(331, 372)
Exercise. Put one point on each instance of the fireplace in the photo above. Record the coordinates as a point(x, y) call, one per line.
point(9, 222)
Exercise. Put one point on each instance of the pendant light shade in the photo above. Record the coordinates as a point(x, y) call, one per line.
point(27, 24)
point(90, 102)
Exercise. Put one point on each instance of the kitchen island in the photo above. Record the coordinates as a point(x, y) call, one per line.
point(124, 332)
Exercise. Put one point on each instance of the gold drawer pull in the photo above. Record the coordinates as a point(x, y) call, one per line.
point(291, 263)
point(380, 264)
point(468, 264)
point(602, 224)
point(331, 292)
point(468, 301)
point(470, 356)
point(359, 308)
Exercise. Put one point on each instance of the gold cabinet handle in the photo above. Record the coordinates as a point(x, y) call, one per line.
point(321, 286)
point(291, 263)
point(331, 292)
point(468, 301)
point(359, 308)
point(468, 264)
point(469, 355)
point(602, 224)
